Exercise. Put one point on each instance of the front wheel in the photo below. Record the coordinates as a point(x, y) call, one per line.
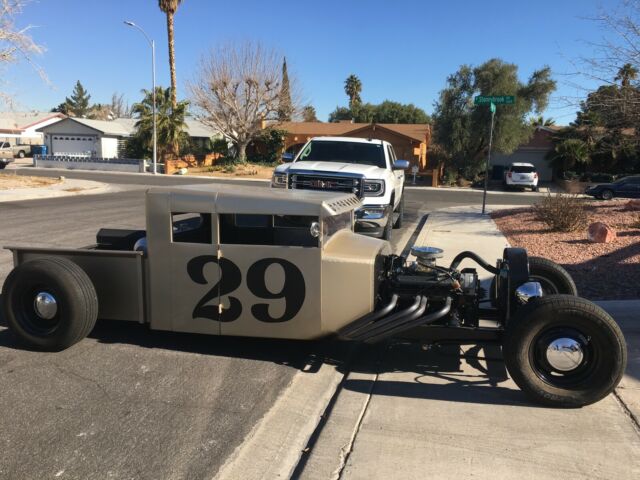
point(49, 303)
point(564, 351)
point(400, 219)
point(606, 195)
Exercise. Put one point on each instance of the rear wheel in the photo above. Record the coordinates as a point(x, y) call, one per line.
point(564, 351)
point(49, 303)
point(21, 154)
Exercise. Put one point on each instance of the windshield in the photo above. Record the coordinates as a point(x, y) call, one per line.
point(346, 152)
point(522, 169)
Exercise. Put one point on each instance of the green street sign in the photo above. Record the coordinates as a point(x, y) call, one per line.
point(498, 100)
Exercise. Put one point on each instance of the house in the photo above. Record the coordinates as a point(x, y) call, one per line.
point(22, 127)
point(534, 152)
point(410, 141)
point(104, 138)
point(84, 137)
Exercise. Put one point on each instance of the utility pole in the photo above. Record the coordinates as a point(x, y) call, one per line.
point(486, 170)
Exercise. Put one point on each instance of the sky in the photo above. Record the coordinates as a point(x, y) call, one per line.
point(402, 50)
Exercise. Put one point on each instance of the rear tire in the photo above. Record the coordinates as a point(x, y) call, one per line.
point(69, 312)
point(21, 154)
point(564, 351)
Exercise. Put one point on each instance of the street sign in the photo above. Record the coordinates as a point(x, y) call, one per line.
point(498, 100)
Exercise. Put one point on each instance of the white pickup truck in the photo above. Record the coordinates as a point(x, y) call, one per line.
point(367, 168)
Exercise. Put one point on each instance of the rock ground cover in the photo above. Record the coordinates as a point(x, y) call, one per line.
point(249, 170)
point(602, 271)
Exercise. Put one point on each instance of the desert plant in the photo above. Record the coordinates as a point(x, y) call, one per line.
point(564, 213)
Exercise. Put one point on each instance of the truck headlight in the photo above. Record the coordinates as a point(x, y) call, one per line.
point(373, 188)
point(279, 180)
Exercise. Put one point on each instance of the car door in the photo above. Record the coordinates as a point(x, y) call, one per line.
point(626, 188)
point(271, 280)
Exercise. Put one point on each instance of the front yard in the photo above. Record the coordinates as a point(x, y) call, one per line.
point(248, 170)
point(9, 181)
point(602, 271)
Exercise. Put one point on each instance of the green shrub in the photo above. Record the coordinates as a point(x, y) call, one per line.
point(450, 177)
point(564, 213)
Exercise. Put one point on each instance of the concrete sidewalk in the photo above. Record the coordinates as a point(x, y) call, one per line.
point(451, 412)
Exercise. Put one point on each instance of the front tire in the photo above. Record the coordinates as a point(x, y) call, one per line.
point(49, 303)
point(564, 351)
point(552, 277)
point(606, 194)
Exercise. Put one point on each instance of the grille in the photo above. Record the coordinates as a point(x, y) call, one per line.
point(326, 183)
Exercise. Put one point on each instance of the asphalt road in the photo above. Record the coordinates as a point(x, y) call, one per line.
point(128, 402)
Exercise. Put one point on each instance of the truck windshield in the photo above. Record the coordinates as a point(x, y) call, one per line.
point(344, 152)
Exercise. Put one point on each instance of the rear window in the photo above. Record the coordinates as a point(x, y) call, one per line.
point(344, 152)
point(522, 169)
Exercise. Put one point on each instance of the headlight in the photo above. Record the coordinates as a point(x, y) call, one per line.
point(279, 180)
point(373, 188)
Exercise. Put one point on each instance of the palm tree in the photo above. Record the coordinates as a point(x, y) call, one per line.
point(540, 121)
point(627, 73)
point(170, 122)
point(169, 7)
point(353, 87)
point(570, 153)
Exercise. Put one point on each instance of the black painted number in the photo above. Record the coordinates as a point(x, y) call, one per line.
point(293, 289)
point(230, 279)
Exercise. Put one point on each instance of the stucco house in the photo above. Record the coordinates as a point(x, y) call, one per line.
point(410, 141)
point(22, 127)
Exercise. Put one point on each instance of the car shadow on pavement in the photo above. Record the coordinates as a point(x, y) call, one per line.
point(445, 373)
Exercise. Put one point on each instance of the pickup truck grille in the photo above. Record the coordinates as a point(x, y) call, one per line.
point(327, 183)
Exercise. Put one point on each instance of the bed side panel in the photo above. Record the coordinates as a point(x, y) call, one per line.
point(118, 277)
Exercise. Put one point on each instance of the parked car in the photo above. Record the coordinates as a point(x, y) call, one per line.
point(627, 187)
point(521, 175)
point(254, 262)
point(22, 150)
point(6, 151)
point(4, 162)
point(367, 168)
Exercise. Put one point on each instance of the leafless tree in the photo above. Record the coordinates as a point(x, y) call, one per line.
point(236, 89)
point(16, 44)
point(119, 106)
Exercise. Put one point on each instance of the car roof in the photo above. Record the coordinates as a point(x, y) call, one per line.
point(522, 164)
point(257, 199)
point(348, 140)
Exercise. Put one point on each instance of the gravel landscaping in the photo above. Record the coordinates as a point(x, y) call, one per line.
point(602, 271)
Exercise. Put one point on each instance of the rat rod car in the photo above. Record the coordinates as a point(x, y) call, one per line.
point(244, 261)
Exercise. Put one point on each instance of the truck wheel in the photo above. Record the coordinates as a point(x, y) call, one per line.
point(21, 154)
point(400, 219)
point(551, 276)
point(564, 351)
point(49, 303)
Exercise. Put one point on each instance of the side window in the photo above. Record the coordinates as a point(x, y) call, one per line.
point(391, 154)
point(191, 227)
point(286, 230)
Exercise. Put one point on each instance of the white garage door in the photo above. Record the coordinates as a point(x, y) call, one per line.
point(74, 144)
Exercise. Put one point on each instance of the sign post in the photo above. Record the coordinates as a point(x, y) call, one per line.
point(414, 170)
point(492, 101)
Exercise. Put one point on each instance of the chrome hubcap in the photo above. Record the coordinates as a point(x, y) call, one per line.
point(565, 354)
point(45, 305)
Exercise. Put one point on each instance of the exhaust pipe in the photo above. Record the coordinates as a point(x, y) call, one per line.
point(363, 322)
point(383, 324)
point(414, 321)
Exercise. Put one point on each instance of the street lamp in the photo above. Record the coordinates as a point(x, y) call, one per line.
point(153, 76)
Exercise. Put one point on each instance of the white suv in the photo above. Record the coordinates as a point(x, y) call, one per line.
point(367, 168)
point(521, 175)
